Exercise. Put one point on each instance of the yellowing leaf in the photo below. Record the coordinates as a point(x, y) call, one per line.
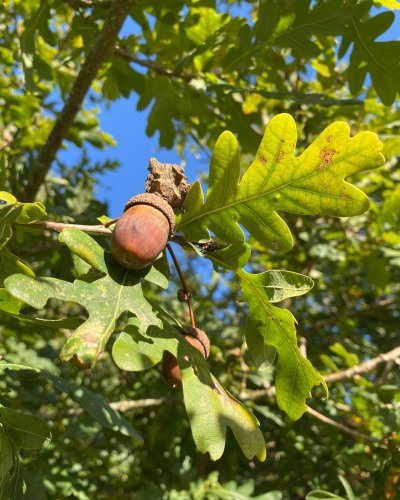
point(312, 183)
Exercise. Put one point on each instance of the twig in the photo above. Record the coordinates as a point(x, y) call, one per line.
point(185, 287)
point(85, 4)
point(110, 222)
point(364, 367)
point(160, 70)
point(59, 226)
point(101, 51)
point(343, 428)
point(122, 406)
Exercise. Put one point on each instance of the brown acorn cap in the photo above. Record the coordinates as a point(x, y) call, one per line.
point(155, 201)
point(201, 336)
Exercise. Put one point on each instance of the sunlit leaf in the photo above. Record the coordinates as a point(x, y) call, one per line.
point(312, 183)
point(270, 330)
point(211, 409)
point(114, 291)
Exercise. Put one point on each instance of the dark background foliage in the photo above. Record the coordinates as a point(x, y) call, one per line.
point(200, 68)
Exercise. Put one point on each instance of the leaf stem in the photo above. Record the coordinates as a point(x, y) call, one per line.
point(185, 288)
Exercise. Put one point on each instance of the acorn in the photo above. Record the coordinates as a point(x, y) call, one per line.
point(170, 367)
point(142, 231)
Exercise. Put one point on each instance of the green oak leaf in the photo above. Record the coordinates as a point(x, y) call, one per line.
point(210, 408)
point(135, 352)
point(11, 212)
point(105, 296)
point(11, 264)
point(270, 330)
point(312, 183)
point(26, 431)
point(6, 457)
point(371, 56)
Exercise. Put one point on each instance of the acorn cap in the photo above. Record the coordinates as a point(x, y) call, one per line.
point(201, 336)
point(155, 201)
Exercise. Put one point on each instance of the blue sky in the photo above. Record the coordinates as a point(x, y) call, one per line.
point(134, 148)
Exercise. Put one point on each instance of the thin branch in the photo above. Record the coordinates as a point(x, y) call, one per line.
point(364, 367)
point(142, 403)
point(87, 4)
point(101, 51)
point(187, 77)
point(185, 288)
point(157, 68)
point(59, 226)
point(122, 406)
point(110, 222)
point(343, 428)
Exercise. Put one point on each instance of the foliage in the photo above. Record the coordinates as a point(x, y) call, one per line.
point(204, 71)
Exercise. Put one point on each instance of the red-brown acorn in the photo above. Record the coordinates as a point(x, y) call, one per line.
point(142, 231)
point(170, 368)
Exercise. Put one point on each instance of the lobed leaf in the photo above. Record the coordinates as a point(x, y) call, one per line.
point(11, 212)
point(105, 298)
point(373, 57)
point(270, 330)
point(312, 183)
point(210, 408)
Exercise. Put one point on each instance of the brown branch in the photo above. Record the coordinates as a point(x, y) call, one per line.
point(122, 406)
point(343, 428)
point(86, 4)
point(101, 51)
point(364, 367)
point(185, 288)
point(59, 226)
point(157, 68)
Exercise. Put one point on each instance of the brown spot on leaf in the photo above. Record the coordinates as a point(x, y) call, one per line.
point(345, 196)
point(326, 155)
point(262, 159)
point(280, 156)
point(328, 138)
point(275, 245)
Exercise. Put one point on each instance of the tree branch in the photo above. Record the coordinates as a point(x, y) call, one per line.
point(160, 70)
point(101, 51)
point(59, 226)
point(364, 367)
point(86, 4)
point(343, 428)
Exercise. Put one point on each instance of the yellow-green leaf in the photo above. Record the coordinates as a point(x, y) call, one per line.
point(277, 180)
